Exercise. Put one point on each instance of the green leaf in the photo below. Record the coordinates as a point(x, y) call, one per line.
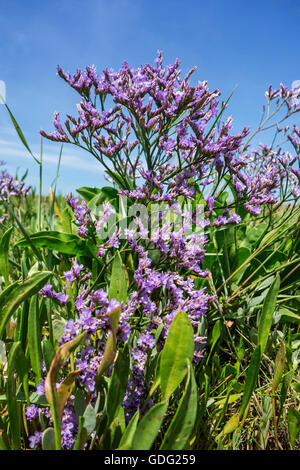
point(265, 321)
point(34, 338)
point(287, 315)
point(13, 407)
point(118, 384)
point(183, 422)
point(4, 248)
point(23, 324)
point(48, 353)
point(178, 349)
point(79, 402)
point(293, 424)
point(88, 193)
point(106, 193)
point(215, 336)
point(118, 285)
point(81, 435)
point(255, 233)
point(149, 427)
point(66, 220)
point(90, 419)
point(243, 253)
point(66, 243)
point(12, 297)
point(48, 439)
point(128, 436)
point(58, 328)
point(250, 381)
point(3, 441)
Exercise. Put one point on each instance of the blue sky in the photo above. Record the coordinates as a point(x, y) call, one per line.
point(249, 44)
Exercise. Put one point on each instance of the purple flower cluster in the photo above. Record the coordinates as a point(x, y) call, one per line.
point(9, 186)
point(162, 129)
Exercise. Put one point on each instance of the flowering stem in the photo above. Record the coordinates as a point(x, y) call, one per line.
point(40, 186)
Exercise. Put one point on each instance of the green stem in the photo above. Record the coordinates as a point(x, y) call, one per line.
point(40, 187)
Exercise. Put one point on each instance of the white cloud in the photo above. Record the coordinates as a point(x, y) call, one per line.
point(84, 161)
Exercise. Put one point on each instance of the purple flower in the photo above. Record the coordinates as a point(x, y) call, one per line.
point(146, 341)
point(35, 439)
point(32, 412)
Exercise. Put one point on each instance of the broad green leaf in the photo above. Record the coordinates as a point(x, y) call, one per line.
point(4, 248)
point(178, 349)
point(182, 424)
point(48, 439)
point(23, 324)
point(265, 321)
point(58, 328)
point(118, 384)
point(88, 193)
point(149, 427)
point(250, 381)
point(90, 419)
point(118, 285)
point(255, 233)
point(79, 402)
point(21, 362)
point(48, 353)
point(34, 338)
point(293, 424)
point(12, 297)
point(66, 221)
point(65, 243)
point(127, 438)
point(116, 429)
point(106, 193)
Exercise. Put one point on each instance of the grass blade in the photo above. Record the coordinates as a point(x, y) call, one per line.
point(4, 248)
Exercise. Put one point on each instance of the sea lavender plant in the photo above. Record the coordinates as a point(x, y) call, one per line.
point(161, 141)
